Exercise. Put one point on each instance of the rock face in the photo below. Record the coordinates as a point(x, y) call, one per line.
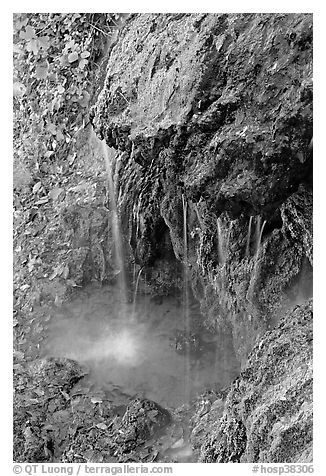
point(120, 438)
point(139, 423)
point(267, 414)
point(212, 117)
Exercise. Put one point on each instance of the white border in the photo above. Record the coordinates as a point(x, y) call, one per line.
point(319, 193)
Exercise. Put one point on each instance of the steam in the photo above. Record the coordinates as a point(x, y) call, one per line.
point(93, 341)
point(122, 347)
point(133, 353)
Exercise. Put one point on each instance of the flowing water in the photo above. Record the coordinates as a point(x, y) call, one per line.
point(136, 214)
point(135, 294)
point(128, 357)
point(186, 310)
point(257, 234)
point(109, 157)
point(221, 244)
point(260, 236)
point(248, 236)
point(223, 236)
point(255, 271)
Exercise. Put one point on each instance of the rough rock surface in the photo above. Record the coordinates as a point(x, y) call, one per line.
point(119, 437)
point(140, 421)
point(267, 414)
point(212, 117)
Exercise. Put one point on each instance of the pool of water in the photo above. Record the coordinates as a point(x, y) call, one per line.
point(130, 350)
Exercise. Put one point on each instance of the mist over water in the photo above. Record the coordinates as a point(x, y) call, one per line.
point(135, 354)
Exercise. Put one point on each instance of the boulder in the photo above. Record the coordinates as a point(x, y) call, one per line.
point(267, 413)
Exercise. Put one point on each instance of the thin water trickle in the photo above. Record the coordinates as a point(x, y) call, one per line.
point(136, 214)
point(255, 271)
point(223, 237)
point(257, 234)
point(260, 236)
point(227, 242)
point(109, 156)
point(145, 298)
point(248, 236)
point(186, 310)
point(135, 294)
point(134, 272)
point(220, 244)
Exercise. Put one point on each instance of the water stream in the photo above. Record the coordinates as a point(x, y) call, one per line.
point(248, 236)
point(257, 234)
point(135, 294)
point(109, 157)
point(221, 244)
point(186, 310)
point(255, 272)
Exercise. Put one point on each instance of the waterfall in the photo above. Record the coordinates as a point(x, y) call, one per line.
point(248, 236)
point(135, 295)
point(134, 272)
point(220, 245)
point(257, 234)
point(136, 214)
point(145, 296)
point(261, 234)
point(227, 243)
point(255, 271)
point(136, 220)
point(109, 155)
point(186, 306)
point(223, 241)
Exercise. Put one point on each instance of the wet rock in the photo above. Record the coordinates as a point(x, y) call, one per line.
point(297, 214)
point(267, 413)
point(49, 444)
point(33, 444)
point(208, 410)
point(234, 140)
point(232, 443)
point(142, 419)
